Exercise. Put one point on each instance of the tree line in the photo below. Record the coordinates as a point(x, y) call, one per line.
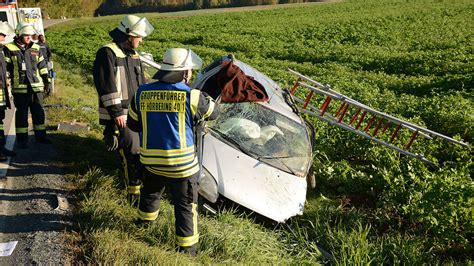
point(85, 8)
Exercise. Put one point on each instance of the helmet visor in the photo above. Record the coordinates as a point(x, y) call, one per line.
point(142, 28)
point(192, 61)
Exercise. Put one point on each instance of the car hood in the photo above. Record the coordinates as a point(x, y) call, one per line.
point(253, 184)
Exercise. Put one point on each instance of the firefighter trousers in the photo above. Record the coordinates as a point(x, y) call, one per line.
point(129, 148)
point(184, 196)
point(32, 101)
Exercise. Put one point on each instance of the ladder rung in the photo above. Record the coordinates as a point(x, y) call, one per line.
point(340, 109)
point(354, 117)
point(369, 124)
point(412, 139)
point(295, 86)
point(325, 105)
point(395, 133)
point(344, 111)
point(361, 119)
point(376, 130)
point(308, 98)
point(387, 125)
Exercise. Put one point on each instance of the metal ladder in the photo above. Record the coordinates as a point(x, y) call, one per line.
point(376, 124)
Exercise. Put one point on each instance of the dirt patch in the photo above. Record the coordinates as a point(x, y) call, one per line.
point(28, 207)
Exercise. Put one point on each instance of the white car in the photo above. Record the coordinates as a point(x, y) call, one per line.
point(257, 155)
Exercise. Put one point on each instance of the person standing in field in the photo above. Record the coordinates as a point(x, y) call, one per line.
point(117, 74)
point(47, 54)
point(45, 48)
point(165, 113)
point(5, 30)
point(29, 77)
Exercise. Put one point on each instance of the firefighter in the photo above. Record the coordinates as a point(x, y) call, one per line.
point(117, 74)
point(165, 113)
point(29, 76)
point(44, 48)
point(5, 30)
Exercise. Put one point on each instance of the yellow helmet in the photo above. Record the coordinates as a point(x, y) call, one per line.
point(26, 29)
point(135, 26)
point(176, 59)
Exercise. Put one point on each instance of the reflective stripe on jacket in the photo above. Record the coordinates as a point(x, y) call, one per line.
point(117, 75)
point(165, 114)
point(26, 66)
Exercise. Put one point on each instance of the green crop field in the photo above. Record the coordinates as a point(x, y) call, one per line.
point(411, 59)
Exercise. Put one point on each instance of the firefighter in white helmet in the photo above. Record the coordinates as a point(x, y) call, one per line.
point(117, 74)
point(29, 77)
point(5, 30)
point(165, 113)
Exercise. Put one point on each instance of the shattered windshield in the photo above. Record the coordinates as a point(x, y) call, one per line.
point(265, 135)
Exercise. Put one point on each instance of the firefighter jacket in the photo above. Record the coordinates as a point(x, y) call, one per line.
point(164, 114)
point(4, 98)
point(117, 75)
point(26, 66)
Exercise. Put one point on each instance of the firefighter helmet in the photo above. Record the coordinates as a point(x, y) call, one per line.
point(26, 29)
point(135, 26)
point(6, 29)
point(180, 59)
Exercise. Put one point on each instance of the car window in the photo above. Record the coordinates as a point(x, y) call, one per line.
point(265, 135)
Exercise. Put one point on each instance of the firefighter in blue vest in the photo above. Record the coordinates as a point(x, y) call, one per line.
point(29, 76)
point(165, 113)
point(117, 74)
point(5, 30)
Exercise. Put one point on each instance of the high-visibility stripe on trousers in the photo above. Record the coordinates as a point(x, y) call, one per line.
point(184, 195)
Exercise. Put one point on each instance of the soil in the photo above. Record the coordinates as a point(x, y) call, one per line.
point(28, 207)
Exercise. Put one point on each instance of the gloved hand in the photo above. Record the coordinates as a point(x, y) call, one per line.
point(111, 142)
point(46, 82)
point(47, 89)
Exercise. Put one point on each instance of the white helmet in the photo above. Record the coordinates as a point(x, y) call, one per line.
point(135, 26)
point(26, 29)
point(180, 59)
point(6, 29)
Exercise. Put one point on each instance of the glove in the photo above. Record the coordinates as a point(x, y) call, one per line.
point(111, 142)
point(47, 89)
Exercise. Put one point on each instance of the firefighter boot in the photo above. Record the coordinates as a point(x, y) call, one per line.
point(143, 223)
point(40, 137)
point(22, 140)
point(191, 251)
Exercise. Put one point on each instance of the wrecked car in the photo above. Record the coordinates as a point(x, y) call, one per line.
point(258, 153)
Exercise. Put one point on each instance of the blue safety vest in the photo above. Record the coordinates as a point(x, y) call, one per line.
point(167, 138)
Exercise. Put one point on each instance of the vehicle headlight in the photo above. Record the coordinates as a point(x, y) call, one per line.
point(208, 186)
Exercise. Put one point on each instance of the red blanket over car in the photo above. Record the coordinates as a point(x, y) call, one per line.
point(237, 87)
